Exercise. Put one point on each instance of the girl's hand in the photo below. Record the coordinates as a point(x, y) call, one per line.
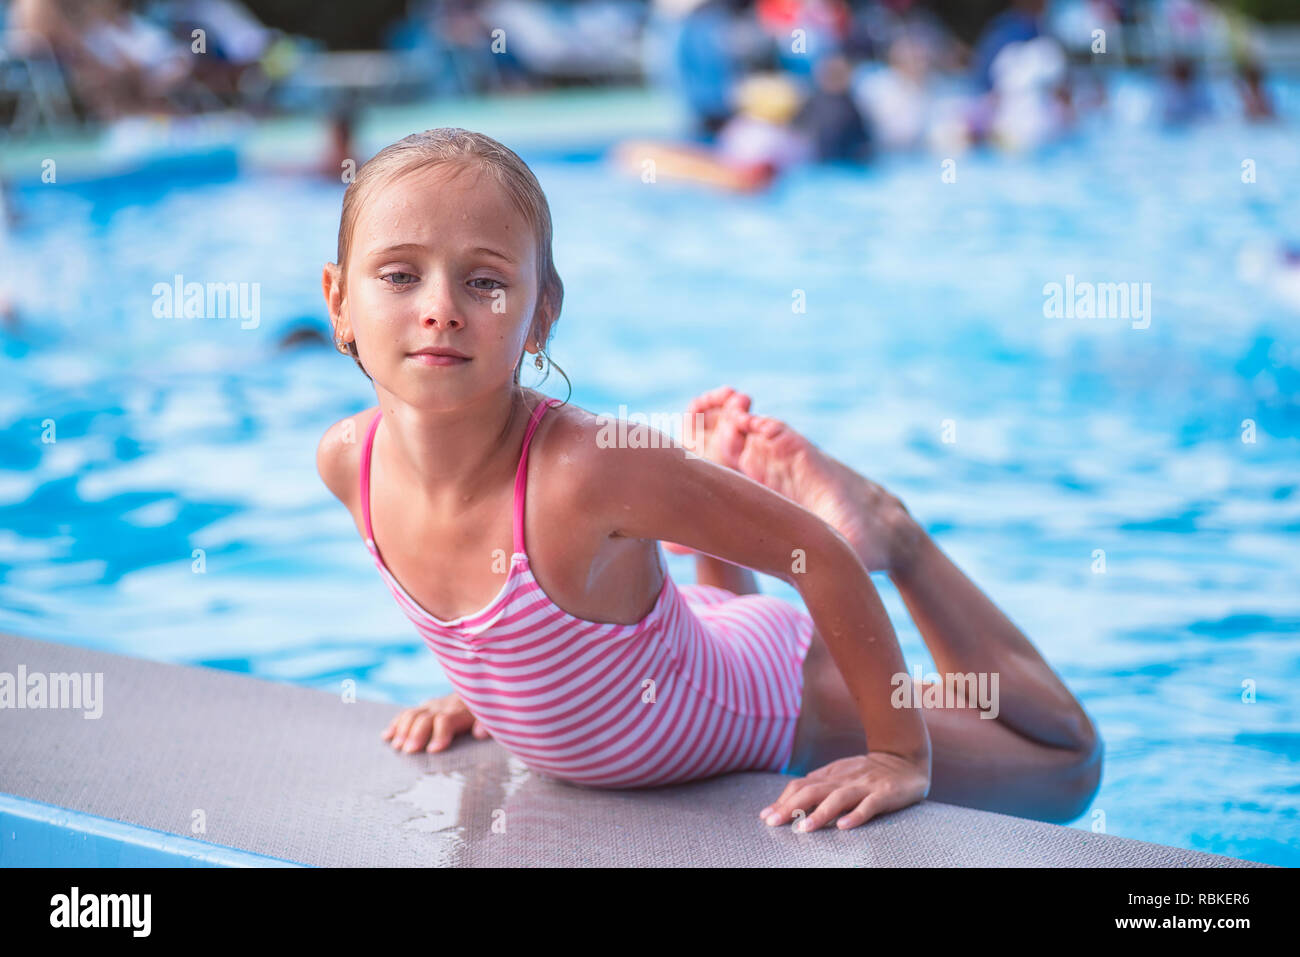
point(864, 786)
point(436, 722)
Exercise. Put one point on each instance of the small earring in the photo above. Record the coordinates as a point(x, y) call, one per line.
point(538, 361)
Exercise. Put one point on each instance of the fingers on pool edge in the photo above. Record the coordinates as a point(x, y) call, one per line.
point(786, 803)
point(416, 735)
point(868, 809)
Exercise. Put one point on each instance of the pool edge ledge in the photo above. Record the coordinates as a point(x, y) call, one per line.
point(36, 834)
point(288, 775)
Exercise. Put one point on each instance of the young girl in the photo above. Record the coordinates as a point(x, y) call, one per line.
point(526, 550)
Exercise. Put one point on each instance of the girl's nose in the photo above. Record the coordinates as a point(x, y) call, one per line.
point(449, 320)
point(440, 307)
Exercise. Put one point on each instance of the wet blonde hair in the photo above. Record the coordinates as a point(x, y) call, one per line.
point(465, 149)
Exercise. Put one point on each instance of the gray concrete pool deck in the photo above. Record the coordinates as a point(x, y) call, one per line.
point(302, 775)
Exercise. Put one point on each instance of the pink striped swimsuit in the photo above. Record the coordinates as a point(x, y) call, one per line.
point(708, 682)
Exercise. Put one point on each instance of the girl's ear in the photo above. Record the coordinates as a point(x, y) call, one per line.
point(530, 340)
point(541, 325)
point(332, 287)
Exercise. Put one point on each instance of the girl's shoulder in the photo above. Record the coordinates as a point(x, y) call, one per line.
point(573, 478)
point(338, 456)
point(569, 434)
point(563, 437)
point(586, 449)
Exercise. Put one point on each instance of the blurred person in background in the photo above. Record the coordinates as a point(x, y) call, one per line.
point(830, 118)
point(1186, 31)
point(1019, 23)
point(105, 85)
point(751, 149)
point(1256, 104)
point(707, 65)
point(1182, 95)
point(1247, 51)
point(895, 96)
point(1031, 95)
point(234, 43)
point(118, 62)
point(762, 136)
point(340, 146)
point(339, 159)
point(1075, 25)
point(41, 27)
point(805, 31)
point(449, 44)
point(461, 31)
point(882, 24)
point(145, 62)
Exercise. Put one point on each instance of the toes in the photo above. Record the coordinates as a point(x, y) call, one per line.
point(718, 396)
point(710, 401)
point(716, 424)
point(737, 402)
point(728, 441)
point(763, 425)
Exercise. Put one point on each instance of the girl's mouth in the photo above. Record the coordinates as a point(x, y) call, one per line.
point(434, 359)
point(440, 355)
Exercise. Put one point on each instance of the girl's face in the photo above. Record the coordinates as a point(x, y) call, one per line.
point(440, 258)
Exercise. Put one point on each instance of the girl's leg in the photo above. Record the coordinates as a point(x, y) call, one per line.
point(975, 762)
point(1041, 755)
point(966, 632)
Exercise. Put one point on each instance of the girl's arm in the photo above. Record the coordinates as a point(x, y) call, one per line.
point(660, 493)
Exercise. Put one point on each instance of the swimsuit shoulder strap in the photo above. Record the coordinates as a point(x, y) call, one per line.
point(365, 476)
point(521, 474)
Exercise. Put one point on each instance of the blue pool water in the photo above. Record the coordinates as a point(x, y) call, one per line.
point(924, 304)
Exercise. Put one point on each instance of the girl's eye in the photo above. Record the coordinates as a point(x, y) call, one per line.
point(494, 283)
point(399, 278)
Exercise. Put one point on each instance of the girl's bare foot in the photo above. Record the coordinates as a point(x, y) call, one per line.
point(712, 431)
point(712, 427)
point(875, 522)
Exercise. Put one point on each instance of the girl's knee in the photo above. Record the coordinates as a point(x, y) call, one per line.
point(1080, 783)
